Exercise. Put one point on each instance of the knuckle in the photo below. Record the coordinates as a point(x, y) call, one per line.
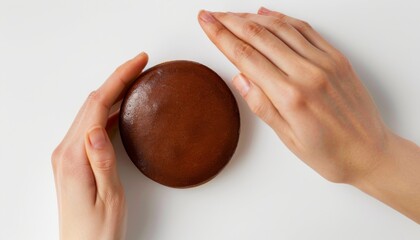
point(57, 152)
point(329, 65)
point(64, 163)
point(335, 177)
point(67, 155)
point(318, 80)
point(258, 108)
point(219, 31)
point(339, 57)
point(93, 96)
point(303, 26)
point(54, 163)
point(252, 29)
point(245, 15)
point(279, 23)
point(105, 163)
point(280, 16)
point(120, 69)
point(55, 156)
point(294, 98)
point(262, 110)
point(341, 60)
point(242, 51)
point(335, 63)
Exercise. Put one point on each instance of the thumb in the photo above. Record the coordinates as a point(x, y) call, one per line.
point(103, 162)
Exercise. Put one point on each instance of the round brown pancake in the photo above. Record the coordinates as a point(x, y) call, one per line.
point(179, 123)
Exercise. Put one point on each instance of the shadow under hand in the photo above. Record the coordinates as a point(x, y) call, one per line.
point(247, 131)
point(372, 82)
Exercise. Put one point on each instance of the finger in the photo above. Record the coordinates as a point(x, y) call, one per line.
point(303, 27)
point(102, 159)
point(112, 120)
point(289, 35)
point(101, 100)
point(112, 124)
point(260, 105)
point(96, 108)
point(113, 116)
point(264, 41)
point(249, 61)
point(121, 79)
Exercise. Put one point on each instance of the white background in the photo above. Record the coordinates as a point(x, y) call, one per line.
point(54, 52)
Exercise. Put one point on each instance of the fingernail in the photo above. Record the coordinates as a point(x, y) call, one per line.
point(97, 138)
point(242, 85)
point(263, 10)
point(139, 55)
point(206, 16)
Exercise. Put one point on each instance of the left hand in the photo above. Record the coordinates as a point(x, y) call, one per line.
point(90, 195)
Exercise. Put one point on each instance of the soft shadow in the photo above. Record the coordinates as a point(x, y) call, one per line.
point(142, 201)
point(247, 131)
point(372, 81)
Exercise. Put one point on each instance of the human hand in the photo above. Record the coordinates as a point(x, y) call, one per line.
point(90, 195)
point(305, 89)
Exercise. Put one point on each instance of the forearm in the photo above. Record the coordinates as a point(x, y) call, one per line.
point(396, 180)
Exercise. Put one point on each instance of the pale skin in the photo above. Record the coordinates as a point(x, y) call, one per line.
point(90, 196)
point(290, 77)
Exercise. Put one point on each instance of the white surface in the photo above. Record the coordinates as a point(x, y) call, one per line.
point(53, 53)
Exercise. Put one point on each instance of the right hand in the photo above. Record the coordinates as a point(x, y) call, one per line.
point(307, 91)
point(304, 88)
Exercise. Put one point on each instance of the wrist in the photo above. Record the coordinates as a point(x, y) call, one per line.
point(395, 154)
point(375, 160)
point(394, 178)
point(366, 157)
